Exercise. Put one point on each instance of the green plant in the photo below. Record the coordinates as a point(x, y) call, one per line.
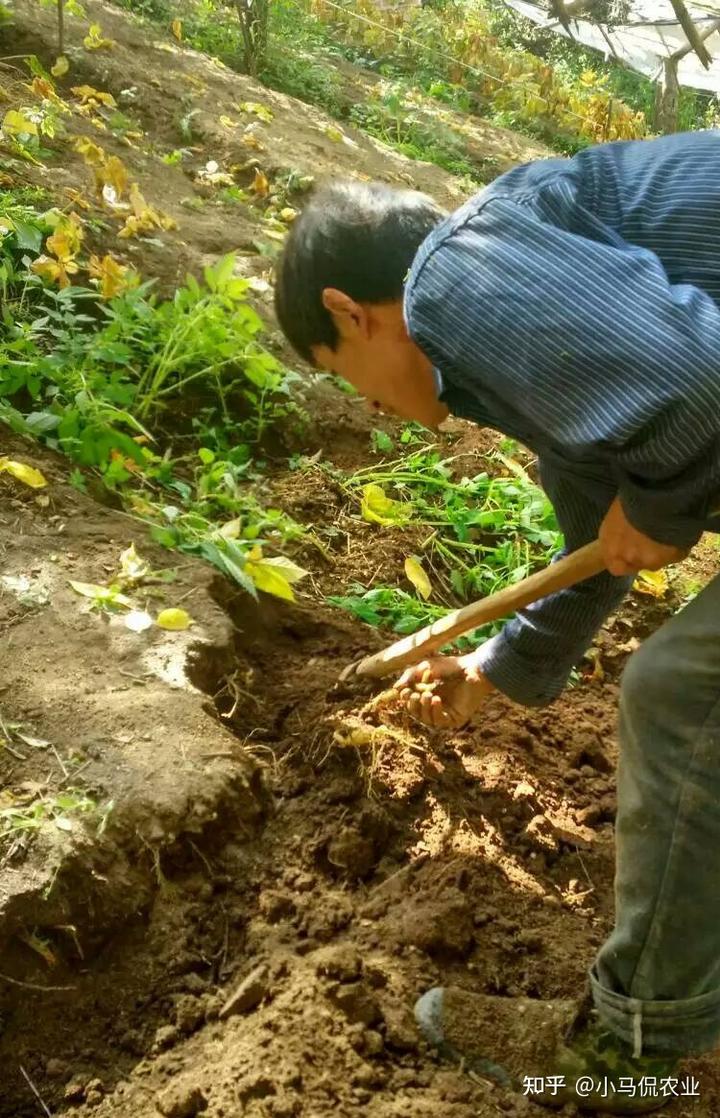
point(92, 376)
point(482, 532)
point(59, 810)
point(476, 534)
point(215, 516)
point(209, 333)
point(389, 607)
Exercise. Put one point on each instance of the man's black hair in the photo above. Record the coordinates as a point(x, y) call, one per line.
point(360, 238)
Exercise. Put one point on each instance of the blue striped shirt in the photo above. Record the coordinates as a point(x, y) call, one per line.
point(575, 306)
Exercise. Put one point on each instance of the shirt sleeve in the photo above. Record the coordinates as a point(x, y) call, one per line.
point(531, 659)
point(589, 341)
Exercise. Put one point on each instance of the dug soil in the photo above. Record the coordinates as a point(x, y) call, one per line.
point(267, 867)
point(289, 861)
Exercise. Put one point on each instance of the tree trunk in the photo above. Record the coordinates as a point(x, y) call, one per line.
point(667, 98)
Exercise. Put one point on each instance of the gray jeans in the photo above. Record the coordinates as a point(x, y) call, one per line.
point(656, 980)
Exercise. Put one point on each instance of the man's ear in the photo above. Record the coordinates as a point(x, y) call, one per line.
point(351, 319)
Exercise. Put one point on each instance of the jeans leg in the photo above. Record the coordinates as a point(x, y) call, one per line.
point(656, 980)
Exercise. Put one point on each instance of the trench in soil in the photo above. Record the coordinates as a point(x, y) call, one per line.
point(483, 858)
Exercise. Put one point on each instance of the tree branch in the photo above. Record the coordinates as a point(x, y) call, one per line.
point(694, 38)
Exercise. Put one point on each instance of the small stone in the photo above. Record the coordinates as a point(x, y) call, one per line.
point(352, 852)
point(189, 1013)
point(93, 1098)
point(74, 1092)
point(340, 961)
point(400, 1029)
point(257, 1085)
point(165, 1037)
point(193, 983)
point(373, 1042)
point(284, 1107)
point(276, 906)
point(248, 994)
point(181, 1100)
point(530, 941)
point(541, 830)
point(56, 1069)
point(131, 1041)
point(357, 1003)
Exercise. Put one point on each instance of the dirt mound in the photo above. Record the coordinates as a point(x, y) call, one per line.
point(111, 755)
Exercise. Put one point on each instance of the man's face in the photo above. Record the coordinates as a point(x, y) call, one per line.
point(376, 355)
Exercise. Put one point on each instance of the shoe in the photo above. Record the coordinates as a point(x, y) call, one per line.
point(552, 1052)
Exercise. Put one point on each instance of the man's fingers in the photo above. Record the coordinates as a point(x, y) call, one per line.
point(416, 710)
point(412, 675)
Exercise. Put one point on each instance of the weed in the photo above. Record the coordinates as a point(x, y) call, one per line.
point(90, 375)
point(389, 607)
point(483, 531)
point(477, 534)
point(59, 810)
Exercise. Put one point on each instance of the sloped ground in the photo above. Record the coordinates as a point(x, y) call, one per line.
point(167, 85)
point(287, 863)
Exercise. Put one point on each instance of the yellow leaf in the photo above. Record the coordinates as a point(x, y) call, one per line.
point(41, 87)
point(93, 155)
point(227, 122)
point(133, 567)
point(289, 570)
point(61, 67)
point(40, 947)
point(654, 583)
point(250, 140)
point(90, 96)
point(18, 124)
point(27, 474)
point(94, 39)
point(377, 508)
point(254, 107)
point(115, 174)
point(260, 184)
point(50, 270)
point(415, 572)
point(334, 134)
point(231, 529)
point(174, 619)
point(144, 218)
point(288, 214)
point(102, 595)
point(177, 29)
point(65, 242)
point(113, 275)
point(269, 579)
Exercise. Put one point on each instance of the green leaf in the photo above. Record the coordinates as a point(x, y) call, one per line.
point(29, 236)
point(381, 442)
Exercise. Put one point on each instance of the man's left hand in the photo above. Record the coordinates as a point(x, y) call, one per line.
point(626, 550)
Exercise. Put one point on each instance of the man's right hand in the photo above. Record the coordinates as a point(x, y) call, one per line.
point(445, 692)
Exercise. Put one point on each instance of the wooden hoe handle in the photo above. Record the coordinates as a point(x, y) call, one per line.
point(573, 568)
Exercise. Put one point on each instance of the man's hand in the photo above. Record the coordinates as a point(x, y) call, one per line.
point(444, 692)
point(626, 550)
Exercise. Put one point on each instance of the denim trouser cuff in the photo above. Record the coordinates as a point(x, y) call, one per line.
point(677, 1028)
